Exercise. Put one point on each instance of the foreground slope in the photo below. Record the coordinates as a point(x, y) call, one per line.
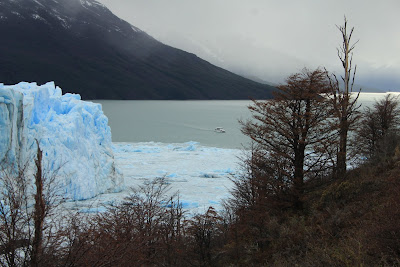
point(88, 50)
point(354, 221)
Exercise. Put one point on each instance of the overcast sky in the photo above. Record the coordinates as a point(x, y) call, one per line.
point(271, 39)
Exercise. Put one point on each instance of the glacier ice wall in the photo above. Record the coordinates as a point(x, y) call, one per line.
point(73, 134)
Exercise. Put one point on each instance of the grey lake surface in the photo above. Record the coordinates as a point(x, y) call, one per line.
point(183, 121)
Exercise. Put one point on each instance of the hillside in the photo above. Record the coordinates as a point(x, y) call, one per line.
point(86, 49)
point(355, 222)
point(346, 222)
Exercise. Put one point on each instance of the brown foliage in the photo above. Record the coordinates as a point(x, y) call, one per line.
point(292, 131)
point(352, 222)
point(146, 229)
point(205, 238)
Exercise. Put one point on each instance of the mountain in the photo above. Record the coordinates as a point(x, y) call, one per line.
point(86, 49)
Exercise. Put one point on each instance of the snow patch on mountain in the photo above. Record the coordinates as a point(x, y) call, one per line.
point(92, 3)
point(40, 4)
point(36, 16)
point(135, 29)
point(16, 13)
point(64, 22)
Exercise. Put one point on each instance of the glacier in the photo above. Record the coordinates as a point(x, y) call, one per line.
point(73, 134)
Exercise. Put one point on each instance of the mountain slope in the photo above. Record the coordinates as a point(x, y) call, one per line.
point(86, 49)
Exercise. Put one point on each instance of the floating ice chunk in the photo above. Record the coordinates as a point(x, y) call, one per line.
point(209, 175)
point(93, 210)
point(191, 146)
point(226, 171)
point(189, 205)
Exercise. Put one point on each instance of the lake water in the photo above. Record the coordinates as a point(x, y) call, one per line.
point(183, 121)
point(177, 121)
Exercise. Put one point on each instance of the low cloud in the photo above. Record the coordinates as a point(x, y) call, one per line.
point(271, 39)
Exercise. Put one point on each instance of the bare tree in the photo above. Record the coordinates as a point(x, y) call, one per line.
point(378, 128)
point(344, 106)
point(388, 113)
point(22, 218)
point(293, 129)
point(14, 218)
point(39, 212)
point(264, 184)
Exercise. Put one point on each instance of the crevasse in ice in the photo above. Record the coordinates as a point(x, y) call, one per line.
point(73, 134)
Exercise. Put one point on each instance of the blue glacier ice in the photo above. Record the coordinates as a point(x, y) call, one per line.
point(73, 134)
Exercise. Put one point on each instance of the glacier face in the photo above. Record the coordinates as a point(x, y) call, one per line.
point(73, 134)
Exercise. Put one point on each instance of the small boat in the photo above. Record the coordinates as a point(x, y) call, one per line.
point(219, 130)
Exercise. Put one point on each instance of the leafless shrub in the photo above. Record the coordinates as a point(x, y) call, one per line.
point(145, 229)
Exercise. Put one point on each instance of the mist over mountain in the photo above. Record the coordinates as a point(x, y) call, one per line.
point(260, 63)
point(86, 49)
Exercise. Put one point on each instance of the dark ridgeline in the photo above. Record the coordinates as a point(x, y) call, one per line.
point(86, 49)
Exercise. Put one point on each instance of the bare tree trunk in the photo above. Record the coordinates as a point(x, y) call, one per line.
point(298, 179)
point(342, 152)
point(39, 213)
point(344, 107)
